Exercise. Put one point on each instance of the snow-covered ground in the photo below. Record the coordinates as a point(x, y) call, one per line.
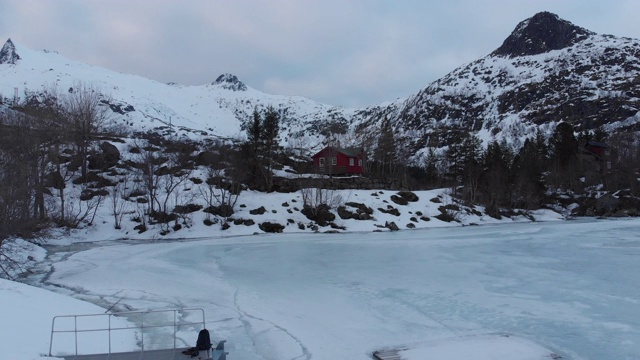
point(521, 291)
point(285, 209)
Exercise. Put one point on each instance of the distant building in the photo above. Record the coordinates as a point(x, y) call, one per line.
point(339, 161)
point(597, 154)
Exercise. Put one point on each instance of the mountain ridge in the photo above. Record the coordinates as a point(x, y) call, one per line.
point(541, 33)
point(547, 71)
point(8, 53)
point(593, 82)
point(214, 109)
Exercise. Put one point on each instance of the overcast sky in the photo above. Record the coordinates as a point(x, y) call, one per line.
point(350, 53)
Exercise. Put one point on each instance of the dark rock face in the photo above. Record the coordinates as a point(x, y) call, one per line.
point(8, 54)
point(539, 34)
point(230, 82)
point(270, 227)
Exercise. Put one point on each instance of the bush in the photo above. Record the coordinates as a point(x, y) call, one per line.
point(222, 210)
point(88, 194)
point(163, 217)
point(187, 209)
point(322, 214)
point(449, 213)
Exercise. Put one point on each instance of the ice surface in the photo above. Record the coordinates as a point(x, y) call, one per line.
point(569, 288)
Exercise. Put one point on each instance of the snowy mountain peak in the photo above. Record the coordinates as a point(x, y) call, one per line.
point(541, 33)
point(8, 54)
point(230, 82)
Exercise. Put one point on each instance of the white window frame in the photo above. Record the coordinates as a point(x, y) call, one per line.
point(352, 161)
point(334, 161)
point(321, 162)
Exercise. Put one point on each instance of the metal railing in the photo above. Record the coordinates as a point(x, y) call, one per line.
point(109, 329)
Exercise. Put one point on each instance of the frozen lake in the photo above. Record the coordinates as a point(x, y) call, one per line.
point(573, 287)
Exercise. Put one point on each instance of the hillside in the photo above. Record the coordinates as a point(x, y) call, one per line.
point(259, 213)
point(547, 70)
point(214, 109)
point(167, 170)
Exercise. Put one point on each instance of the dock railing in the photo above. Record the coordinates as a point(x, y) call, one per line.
point(106, 326)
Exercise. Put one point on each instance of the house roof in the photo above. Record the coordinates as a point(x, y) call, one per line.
point(349, 151)
point(597, 144)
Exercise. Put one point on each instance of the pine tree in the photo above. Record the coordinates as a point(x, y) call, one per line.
point(253, 145)
point(471, 152)
point(528, 170)
point(600, 135)
point(254, 129)
point(564, 145)
point(385, 152)
point(463, 164)
point(262, 145)
point(431, 169)
point(497, 162)
point(270, 130)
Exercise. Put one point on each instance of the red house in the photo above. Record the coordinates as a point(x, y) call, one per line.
point(597, 154)
point(339, 161)
point(599, 149)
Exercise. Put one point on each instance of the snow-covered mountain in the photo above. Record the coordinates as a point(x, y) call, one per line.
point(217, 108)
point(546, 71)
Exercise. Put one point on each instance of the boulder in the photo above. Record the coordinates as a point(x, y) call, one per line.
point(606, 203)
point(270, 227)
point(391, 226)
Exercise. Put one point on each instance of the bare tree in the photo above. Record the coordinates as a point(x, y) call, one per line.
point(23, 148)
point(183, 198)
point(223, 185)
point(221, 194)
point(86, 112)
point(119, 203)
point(59, 176)
point(148, 161)
point(318, 202)
point(169, 183)
point(80, 210)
